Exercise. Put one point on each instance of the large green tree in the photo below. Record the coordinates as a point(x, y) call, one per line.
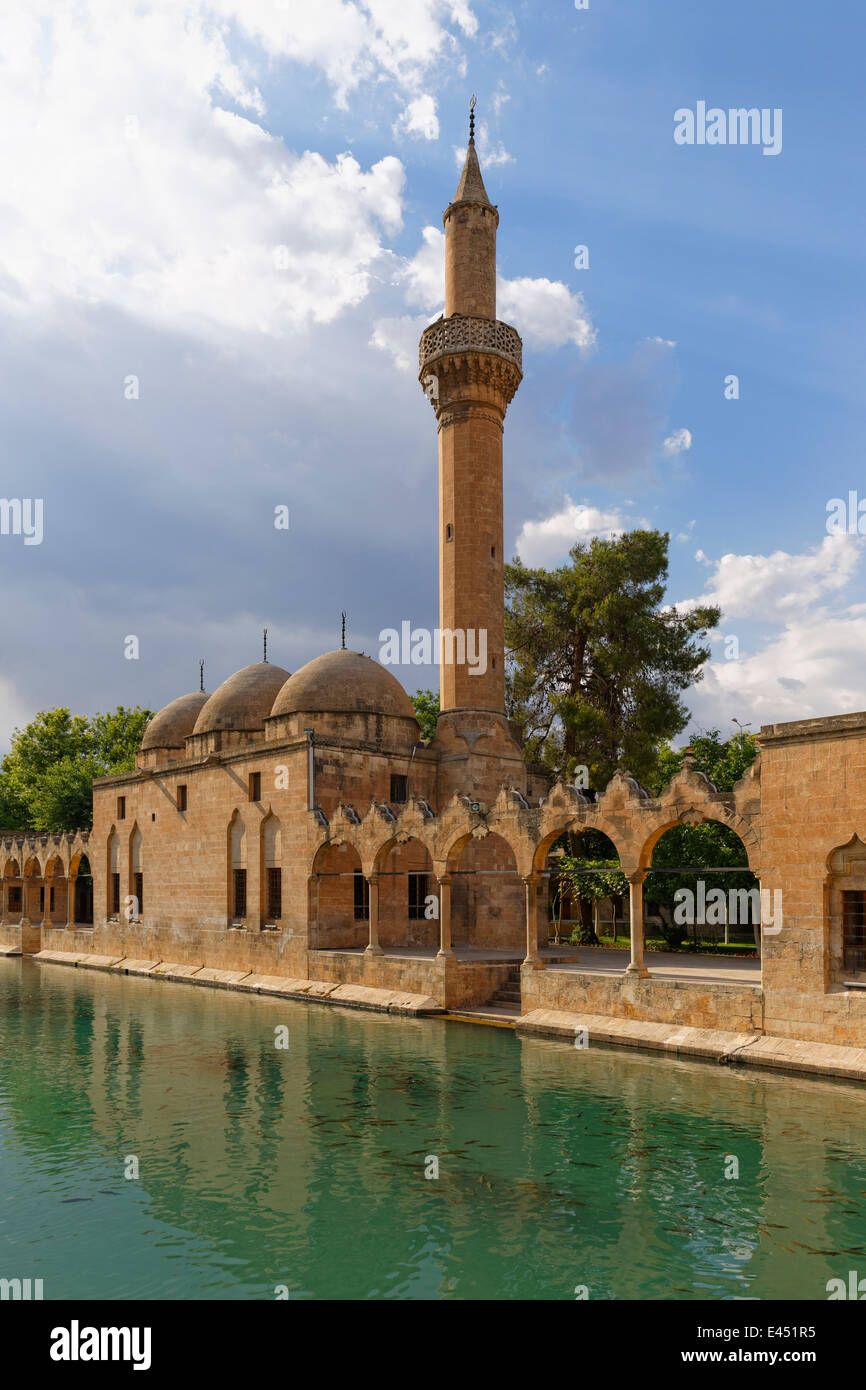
point(596, 663)
point(46, 777)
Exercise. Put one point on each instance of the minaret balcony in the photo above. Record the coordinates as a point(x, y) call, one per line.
point(465, 333)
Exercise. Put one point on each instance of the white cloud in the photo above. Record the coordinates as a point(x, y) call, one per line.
point(419, 118)
point(680, 440)
point(500, 97)
point(137, 189)
point(399, 336)
point(687, 534)
point(813, 664)
point(545, 543)
point(546, 313)
point(353, 42)
point(423, 277)
point(761, 586)
point(815, 667)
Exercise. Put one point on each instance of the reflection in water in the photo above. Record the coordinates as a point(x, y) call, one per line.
point(558, 1167)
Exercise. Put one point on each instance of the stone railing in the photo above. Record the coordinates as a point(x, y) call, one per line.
point(461, 333)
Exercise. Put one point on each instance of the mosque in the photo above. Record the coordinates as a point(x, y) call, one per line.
point(292, 832)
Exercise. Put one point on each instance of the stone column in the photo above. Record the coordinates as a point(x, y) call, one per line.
point(69, 924)
point(636, 965)
point(533, 959)
point(445, 916)
point(374, 949)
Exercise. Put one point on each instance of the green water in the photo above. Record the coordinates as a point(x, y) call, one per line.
point(305, 1167)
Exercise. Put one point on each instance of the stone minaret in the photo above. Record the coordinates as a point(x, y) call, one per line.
point(470, 367)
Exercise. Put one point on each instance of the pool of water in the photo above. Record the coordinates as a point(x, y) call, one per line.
point(304, 1169)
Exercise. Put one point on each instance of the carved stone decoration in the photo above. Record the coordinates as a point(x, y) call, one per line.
point(461, 331)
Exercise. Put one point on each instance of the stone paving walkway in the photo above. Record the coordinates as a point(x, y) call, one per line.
point(668, 965)
point(598, 961)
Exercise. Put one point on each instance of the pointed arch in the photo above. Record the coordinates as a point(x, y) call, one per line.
point(271, 877)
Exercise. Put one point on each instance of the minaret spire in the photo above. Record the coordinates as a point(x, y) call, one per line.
point(471, 188)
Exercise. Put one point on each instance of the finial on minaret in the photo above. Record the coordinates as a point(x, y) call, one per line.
point(265, 657)
point(201, 675)
point(343, 640)
point(471, 186)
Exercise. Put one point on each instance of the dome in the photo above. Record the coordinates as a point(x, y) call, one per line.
point(174, 723)
point(343, 682)
point(243, 702)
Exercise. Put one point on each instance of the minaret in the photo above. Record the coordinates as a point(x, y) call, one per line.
point(470, 367)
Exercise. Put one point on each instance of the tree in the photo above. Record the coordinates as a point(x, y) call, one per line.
point(62, 797)
point(709, 845)
point(426, 706)
point(596, 664)
point(591, 880)
point(115, 737)
point(724, 761)
point(46, 777)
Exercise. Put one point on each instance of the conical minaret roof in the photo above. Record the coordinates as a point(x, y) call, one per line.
point(471, 186)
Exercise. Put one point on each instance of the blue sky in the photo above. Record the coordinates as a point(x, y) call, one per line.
point(157, 158)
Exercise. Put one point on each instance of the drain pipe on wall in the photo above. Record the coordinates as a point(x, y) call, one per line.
point(311, 773)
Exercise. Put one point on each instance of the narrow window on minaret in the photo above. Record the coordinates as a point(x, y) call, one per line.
point(493, 552)
point(449, 532)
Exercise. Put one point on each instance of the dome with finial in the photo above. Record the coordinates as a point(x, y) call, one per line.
point(343, 682)
point(243, 702)
point(174, 722)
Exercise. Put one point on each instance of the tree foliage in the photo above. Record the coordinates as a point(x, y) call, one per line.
point(589, 873)
point(46, 777)
point(426, 706)
point(709, 845)
point(596, 663)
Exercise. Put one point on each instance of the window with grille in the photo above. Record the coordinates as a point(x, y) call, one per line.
point(240, 893)
point(15, 899)
point(115, 894)
point(854, 931)
point(138, 890)
point(417, 896)
point(275, 894)
point(399, 788)
point(41, 899)
point(121, 808)
point(255, 786)
point(51, 899)
point(362, 897)
point(181, 798)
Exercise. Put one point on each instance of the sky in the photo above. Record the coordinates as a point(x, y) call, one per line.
point(222, 237)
